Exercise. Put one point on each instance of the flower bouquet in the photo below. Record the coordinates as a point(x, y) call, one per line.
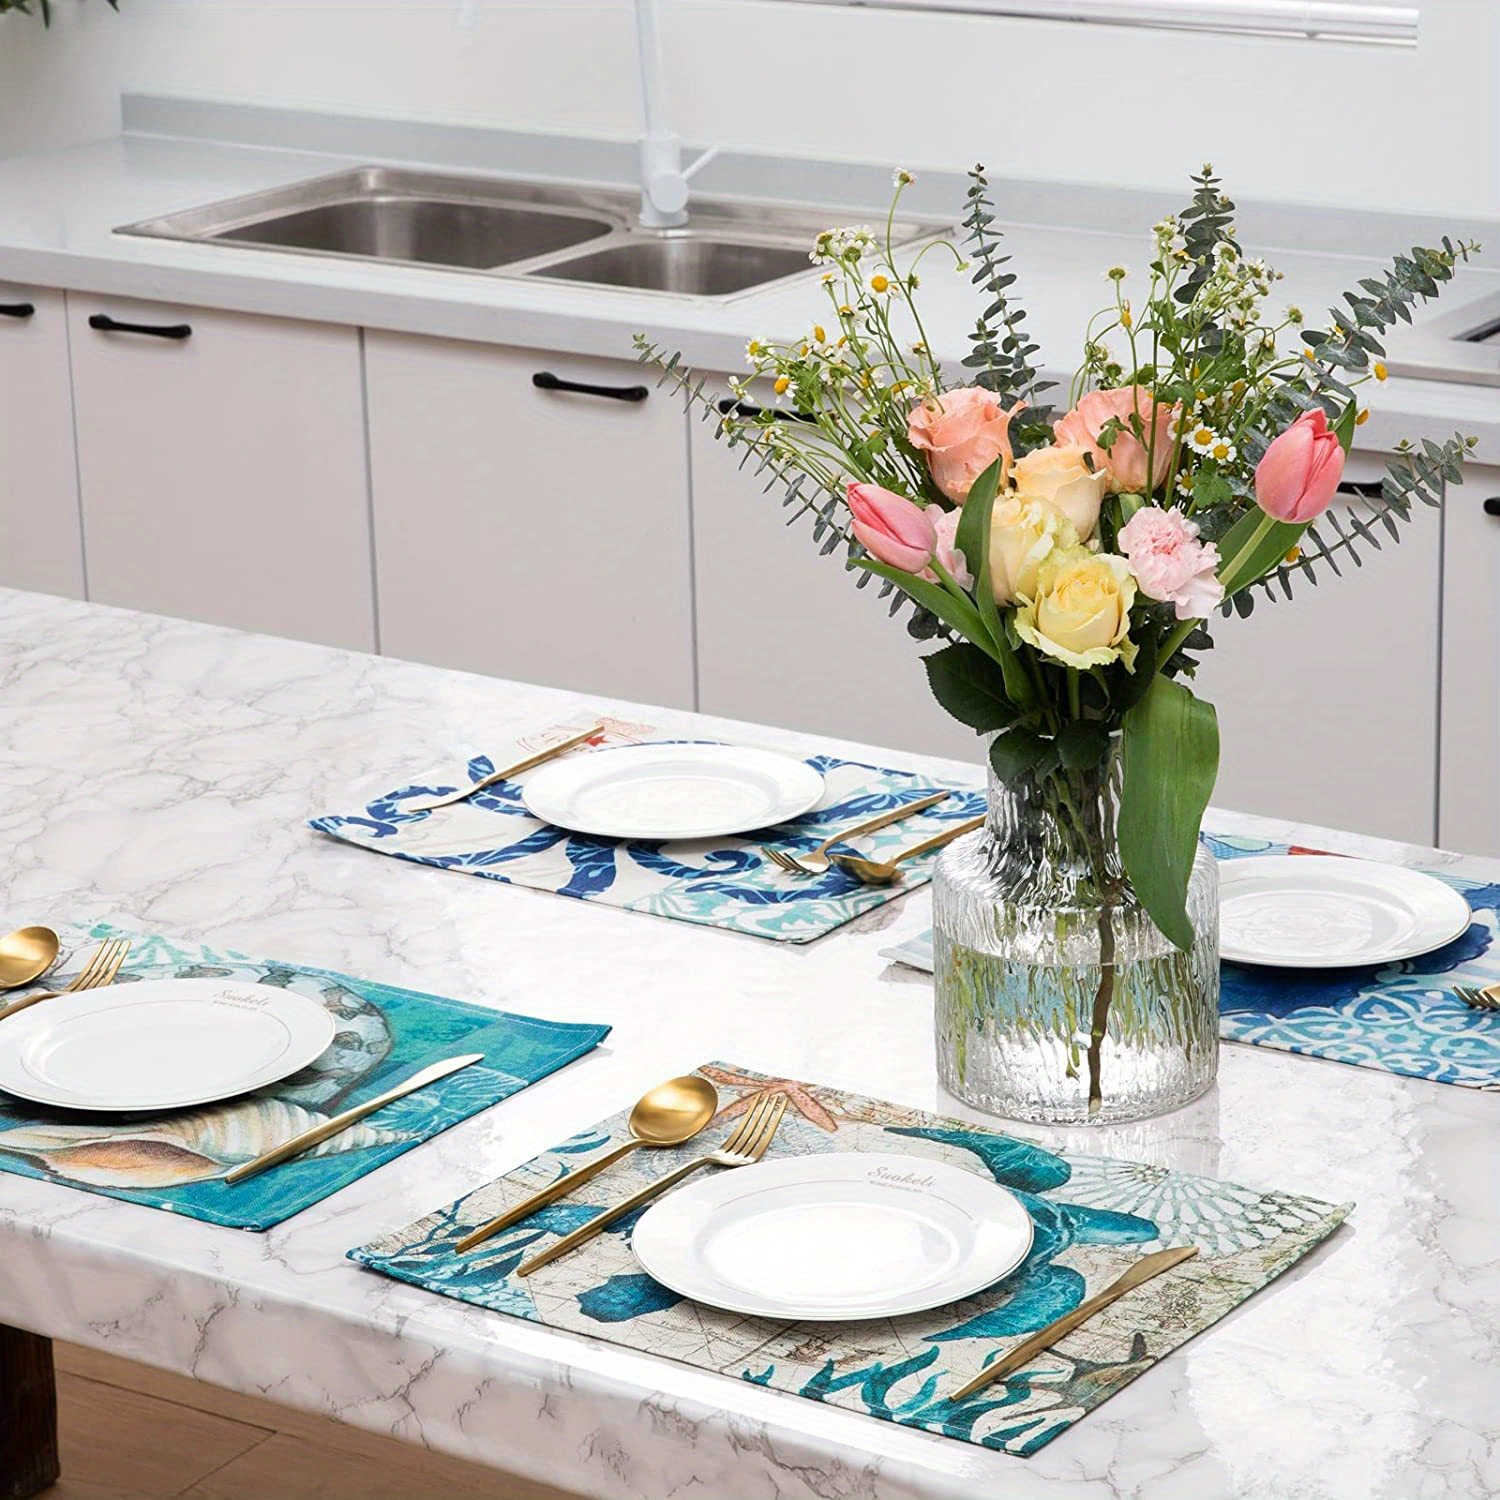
point(1067, 560)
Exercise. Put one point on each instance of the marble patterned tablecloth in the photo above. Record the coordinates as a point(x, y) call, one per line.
point(1092, 1216)
point(194, 755)
point(726, 882)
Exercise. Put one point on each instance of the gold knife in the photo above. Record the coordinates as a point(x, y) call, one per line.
point(320, 1133)
point(464, 793)
point(1142, 1271)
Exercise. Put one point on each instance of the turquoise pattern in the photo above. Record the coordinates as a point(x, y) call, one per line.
point(726, 883)
point(385, 1034)
point(1091, 1216)
point(1401, 1018)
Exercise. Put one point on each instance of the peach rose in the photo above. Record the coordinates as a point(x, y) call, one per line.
point(962, 432)
point(1062, 478)
point(1126, 459)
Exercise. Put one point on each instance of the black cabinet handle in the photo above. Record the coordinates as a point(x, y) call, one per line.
point(1365, 489)
point(745, 409)
point(545, 380)
point(17, 309)
point(106, 324)
point(1492, 506)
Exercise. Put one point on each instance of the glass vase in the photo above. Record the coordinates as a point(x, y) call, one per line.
point(1058, 999)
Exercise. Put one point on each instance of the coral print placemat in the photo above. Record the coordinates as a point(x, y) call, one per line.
point(384, 1034)
point(1401, 1018)
point(726, 882)
point(1092, 1217)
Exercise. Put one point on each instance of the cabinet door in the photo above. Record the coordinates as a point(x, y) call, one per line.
point(785, 638)
point(41, 547)
point(223, 473)
point(1327, 702)
point(1469, 790)
point(528, 532)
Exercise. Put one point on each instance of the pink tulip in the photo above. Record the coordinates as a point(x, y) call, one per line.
point(891, 528)
point(1126, 460)
point(962, 432)
point(1300, 472)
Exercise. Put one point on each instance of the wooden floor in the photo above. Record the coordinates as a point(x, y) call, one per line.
point(132, 1433)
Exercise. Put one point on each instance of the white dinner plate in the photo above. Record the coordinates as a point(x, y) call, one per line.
point(1320, 911)
point(159, 1044)
point(834, 1237)
point(672, 791)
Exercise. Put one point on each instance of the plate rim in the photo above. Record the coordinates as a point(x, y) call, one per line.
point(562, 768)
point(751, 1308)
point(1228, 872)
point(110, 994)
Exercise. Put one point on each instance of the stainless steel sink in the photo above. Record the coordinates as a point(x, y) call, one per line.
point(690, 265)
point(379, 213)
point(424, 230)
point(502, 227)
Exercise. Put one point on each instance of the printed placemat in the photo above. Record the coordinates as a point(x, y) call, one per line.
point(1399, 1018)
point(1092, 1217)
point(726, 882)
point(385, 1034)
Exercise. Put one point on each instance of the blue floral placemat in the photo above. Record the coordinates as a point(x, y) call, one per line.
point(1400, 1018)
point(725, 882)
point(1092, 1216)
point(384, 1035)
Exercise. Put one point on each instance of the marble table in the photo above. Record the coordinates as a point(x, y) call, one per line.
point(157, 773)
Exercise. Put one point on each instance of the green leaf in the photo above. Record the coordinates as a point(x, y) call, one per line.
point(1082, 743)
point(958, 614)
point(1254, 545)
point(973, 540)
point(968, 684)
point(1017, 752)
point(1170, 757)
point(1343, 429)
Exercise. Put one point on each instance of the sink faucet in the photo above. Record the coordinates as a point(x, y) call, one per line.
point(664, 180)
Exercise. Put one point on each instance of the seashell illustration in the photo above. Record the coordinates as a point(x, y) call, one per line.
point(185, 1148)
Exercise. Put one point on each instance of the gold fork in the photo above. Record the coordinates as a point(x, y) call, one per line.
point(99, 971)
point(743, 1148)
point(817, 862)
point(1476, 999)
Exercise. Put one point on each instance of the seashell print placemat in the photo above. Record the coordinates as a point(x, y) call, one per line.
point(1401, 1018)
point(726, 882)
point(384, 1034)
point(1092, 1216)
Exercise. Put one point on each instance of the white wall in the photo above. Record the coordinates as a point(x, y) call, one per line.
point(1314, 121)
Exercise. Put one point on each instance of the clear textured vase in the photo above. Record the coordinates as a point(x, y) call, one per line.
point(1058, 999)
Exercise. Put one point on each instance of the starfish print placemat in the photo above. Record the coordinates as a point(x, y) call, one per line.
point(1092, 1216)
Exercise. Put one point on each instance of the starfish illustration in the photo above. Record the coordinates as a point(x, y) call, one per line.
point(798, 1095)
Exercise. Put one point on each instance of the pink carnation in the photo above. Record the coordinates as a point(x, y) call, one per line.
point(945, 524)
point(1170, 563)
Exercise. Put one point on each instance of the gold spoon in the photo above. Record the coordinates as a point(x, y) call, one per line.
point(25, 955)
point(881, 872)
point(668, 1115)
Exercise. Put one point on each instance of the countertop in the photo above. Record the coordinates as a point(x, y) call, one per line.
point(58, 211)
point(158, 774)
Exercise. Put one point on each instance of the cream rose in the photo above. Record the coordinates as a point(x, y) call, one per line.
point(1081, 612)
point(1061, 477)
point(1024, 533)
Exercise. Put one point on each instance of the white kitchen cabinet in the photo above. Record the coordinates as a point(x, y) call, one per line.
point(785, 637)
point(40, 541)
point(222, 473)
point(1469, 785)
point(539, 532)
point(1328, 702)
